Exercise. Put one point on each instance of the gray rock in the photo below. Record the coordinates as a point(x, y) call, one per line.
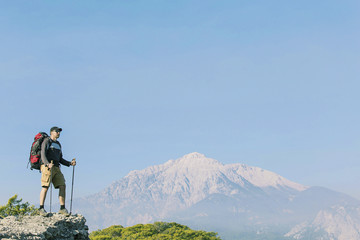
point(56, 226)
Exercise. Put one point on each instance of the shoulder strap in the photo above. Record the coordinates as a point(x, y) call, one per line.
point(48, 143)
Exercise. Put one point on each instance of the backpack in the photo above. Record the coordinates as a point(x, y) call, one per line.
point(35, 152)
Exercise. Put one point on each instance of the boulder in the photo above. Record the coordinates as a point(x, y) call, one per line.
point(56, 226)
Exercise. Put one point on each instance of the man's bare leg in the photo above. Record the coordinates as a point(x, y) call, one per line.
point(43, 192)
point(43, 195)
point(62, 193)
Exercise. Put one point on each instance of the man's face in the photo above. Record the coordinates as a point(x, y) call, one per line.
point(55, 133)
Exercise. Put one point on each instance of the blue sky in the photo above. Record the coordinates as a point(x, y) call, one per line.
point(273, 84)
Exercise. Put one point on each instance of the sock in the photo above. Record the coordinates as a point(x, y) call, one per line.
point(62, 207)
point(41, 206)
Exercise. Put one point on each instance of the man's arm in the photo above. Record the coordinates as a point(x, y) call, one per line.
point(64, 162)
point(43, 151)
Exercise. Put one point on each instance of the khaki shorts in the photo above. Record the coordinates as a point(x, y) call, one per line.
point(57, 177)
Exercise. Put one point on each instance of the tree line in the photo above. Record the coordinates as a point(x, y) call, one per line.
point(155, 231)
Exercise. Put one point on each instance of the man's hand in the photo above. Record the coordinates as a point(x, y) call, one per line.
point(50, 165)
point(73, 162)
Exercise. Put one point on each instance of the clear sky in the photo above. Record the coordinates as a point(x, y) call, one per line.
point(273, 84)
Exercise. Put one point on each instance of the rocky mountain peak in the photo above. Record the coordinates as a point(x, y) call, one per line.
point(190, 179)
point(195, 159)
point(194, 155)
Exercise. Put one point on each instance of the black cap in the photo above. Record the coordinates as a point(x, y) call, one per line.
point(55, 129)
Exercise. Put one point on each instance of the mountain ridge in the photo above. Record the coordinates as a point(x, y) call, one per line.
point(200, 191)
point(183, 174)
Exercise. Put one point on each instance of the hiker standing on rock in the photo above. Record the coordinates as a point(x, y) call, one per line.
point(51, 157)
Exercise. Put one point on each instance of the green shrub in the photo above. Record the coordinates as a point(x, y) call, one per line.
point(15, 207)
point(156, 231)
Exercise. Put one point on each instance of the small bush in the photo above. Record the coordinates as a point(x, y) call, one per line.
point(15, 207)
point(156, 231)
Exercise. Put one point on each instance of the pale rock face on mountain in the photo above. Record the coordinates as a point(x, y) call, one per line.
point(181, 183)
point(337, 222)
point(204, 193)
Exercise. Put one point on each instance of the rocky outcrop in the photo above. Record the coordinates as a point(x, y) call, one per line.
point(56, 226)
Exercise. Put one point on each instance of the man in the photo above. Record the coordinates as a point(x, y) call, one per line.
point(51, 157)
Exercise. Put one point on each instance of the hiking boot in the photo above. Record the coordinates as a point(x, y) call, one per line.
point(64, 212)
point(42, 212)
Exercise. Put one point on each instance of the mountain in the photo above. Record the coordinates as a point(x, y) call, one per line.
point(236, 200)
point(336, 222)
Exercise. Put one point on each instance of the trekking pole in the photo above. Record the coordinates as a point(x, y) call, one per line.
point(51, 186)
point(72, 188)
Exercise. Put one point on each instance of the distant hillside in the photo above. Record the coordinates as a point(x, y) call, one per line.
point(233, 199)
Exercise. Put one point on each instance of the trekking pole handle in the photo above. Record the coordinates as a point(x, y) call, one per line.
point(73, 161)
